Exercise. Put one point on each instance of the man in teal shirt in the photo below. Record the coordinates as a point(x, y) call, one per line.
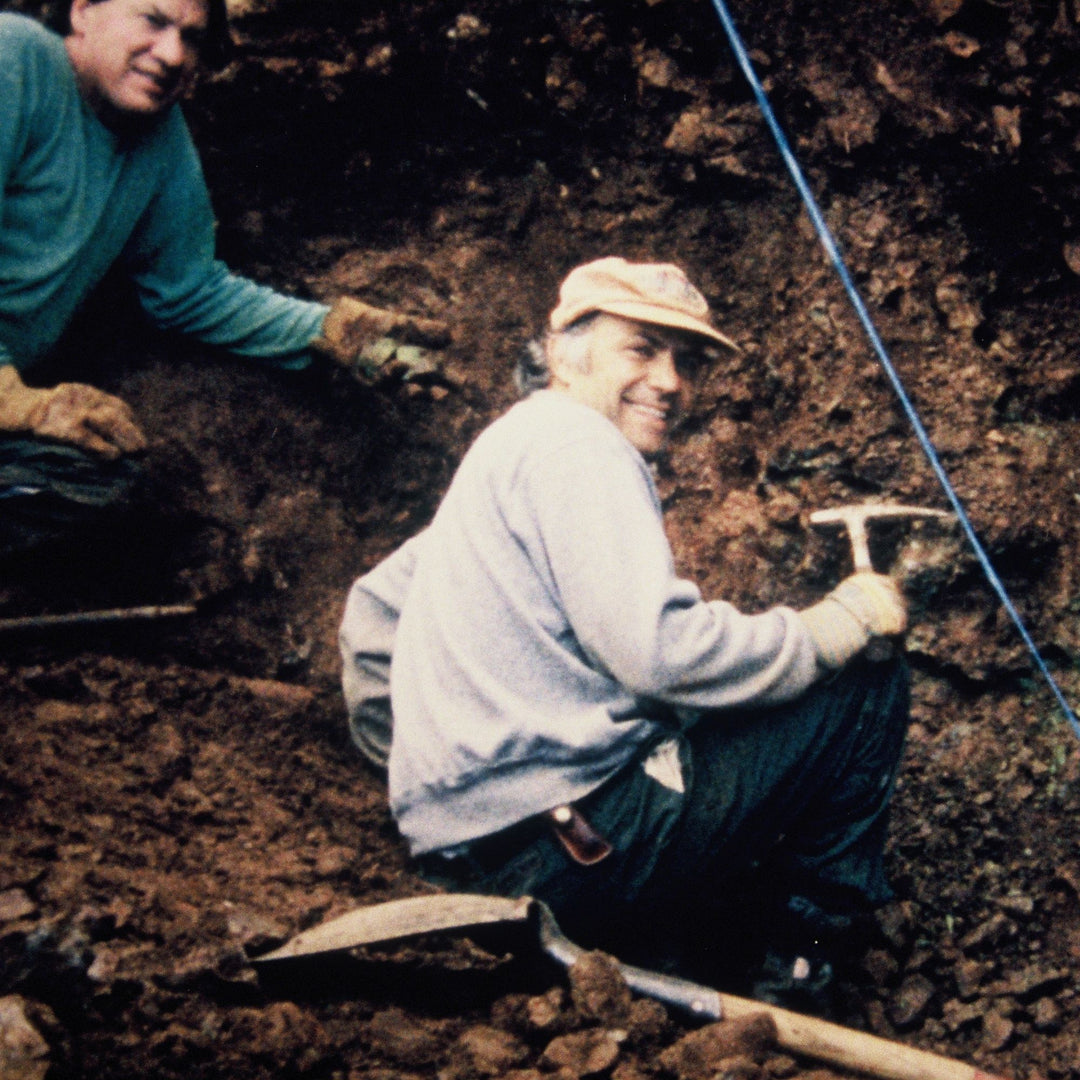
point(98, 169)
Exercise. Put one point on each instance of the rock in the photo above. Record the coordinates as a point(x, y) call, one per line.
point(969, 976)
point(253, 930)
point(697, 1056)
point(166, 757)
point(15, 904)
point(1047, 1018)
point(545, 1012)
point(959, 1016)
point(989, 932)
point(1007, 125)
point(781, 1066)
point(1070, 251)
point(599, 991)
point(402, 1039)
point(106, 965)
point(627, 1070)
point(468, 28)
point(699, 132)
point(961, 45)
point(527, 1015)
point(334, 860)
point(943, 10)
point(998, 1031)
point(1035, 982)
point(739, 1068)
point(24, 1053)
point(856, 125)
point(292, 1031)
point(896, 921)
point(275, 692)
point(490, 1051)
point(210, 969)
point(911, 1003)
point(881, 966)
point(648, 1021)
point(741, 513)
point(57, 713)
point(657, 70)
point(960, 311)
point(584, 1053)
point(782, 510)
point(1018, 905)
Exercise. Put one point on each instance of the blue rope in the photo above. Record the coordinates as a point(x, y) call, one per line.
point(829, 244)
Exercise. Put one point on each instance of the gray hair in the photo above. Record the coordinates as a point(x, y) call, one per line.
point(533, 368)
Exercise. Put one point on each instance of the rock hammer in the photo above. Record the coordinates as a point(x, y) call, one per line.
point(856, 519)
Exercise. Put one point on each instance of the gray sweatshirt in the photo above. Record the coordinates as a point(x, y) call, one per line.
point(544, 638)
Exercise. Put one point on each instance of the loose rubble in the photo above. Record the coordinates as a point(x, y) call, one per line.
point(179, 799)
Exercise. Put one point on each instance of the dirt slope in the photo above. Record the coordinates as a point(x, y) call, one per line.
point(182, 791)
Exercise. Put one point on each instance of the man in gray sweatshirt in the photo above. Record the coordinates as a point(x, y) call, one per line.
point(573, 721)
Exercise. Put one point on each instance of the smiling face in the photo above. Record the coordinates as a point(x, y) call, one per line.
point(637, 374)
point(133, 59)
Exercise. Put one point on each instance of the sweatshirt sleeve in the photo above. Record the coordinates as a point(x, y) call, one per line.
point(633, 617)
point(182, 286)
point(366, 641)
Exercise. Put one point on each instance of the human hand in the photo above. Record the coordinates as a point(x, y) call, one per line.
point(374, 342)
point(875, 600)
point(864, 606)
point(90, 419)
point(71, 413)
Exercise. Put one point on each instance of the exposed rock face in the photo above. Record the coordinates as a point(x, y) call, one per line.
point(179, 797)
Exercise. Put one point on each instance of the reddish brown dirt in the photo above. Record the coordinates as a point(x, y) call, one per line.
point(179, 792)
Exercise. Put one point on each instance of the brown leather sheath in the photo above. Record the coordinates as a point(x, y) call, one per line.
point(580, 840)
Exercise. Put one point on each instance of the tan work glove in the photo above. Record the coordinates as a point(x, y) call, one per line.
point(863, 606)
point(71, 413)
point(375, 343)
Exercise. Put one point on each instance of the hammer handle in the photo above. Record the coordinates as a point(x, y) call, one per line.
point(860, 545)
point(879, 648)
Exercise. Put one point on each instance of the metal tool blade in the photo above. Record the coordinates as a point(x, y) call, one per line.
point(397, 919)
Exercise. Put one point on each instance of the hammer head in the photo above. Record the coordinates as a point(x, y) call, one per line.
point(856, 518)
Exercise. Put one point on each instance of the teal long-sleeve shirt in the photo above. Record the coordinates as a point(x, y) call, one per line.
point(77, 198)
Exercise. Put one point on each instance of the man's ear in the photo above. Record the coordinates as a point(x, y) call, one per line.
point(77, 15)
point(564, 359)
point(556, 359)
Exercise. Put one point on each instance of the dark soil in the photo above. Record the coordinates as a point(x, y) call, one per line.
point(180, 794)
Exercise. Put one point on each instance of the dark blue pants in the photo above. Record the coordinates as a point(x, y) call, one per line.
point(49, 491)
point(784, 815)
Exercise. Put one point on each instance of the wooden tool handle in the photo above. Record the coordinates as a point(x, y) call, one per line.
point(855, 1050)
point(806, 1035)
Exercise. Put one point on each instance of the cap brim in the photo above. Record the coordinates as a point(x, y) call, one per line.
point(662, 316)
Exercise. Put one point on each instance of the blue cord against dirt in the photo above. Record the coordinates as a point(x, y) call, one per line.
point(829, 244)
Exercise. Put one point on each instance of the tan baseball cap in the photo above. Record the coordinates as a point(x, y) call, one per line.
point(649, 292)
